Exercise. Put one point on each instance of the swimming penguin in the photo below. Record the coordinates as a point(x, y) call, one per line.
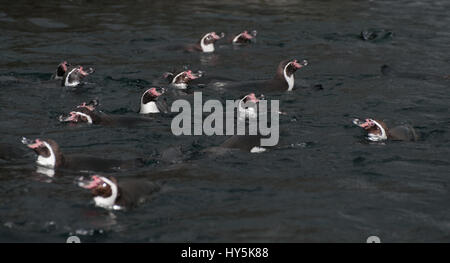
point(111, 194)
point(50, 156)
point(243, 38)
point(378, 131)
point(205, 44)
point(151, 102)
point(282, 81)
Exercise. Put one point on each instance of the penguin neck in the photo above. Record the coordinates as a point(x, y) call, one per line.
point(289, 79)
point(110, 201)
point(70, 81)
point(53, 161)
point(283, 81)
point(149, 107)
point(207, 48)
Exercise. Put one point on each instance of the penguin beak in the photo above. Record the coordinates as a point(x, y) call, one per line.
point(246, 35)
point(191, 75)
point(32, 144)
point(216, 37)
point(73, 117)
point(87, 72)
point(26, 141)
point(251, 97)
point(154, 92)
point(298, 65)
point(82, 72)
point(364, 124)
point(90, 184)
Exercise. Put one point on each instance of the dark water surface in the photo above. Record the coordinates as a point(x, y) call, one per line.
point(323, 183)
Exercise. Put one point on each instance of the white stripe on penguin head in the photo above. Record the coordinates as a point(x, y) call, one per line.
point(107, 202)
